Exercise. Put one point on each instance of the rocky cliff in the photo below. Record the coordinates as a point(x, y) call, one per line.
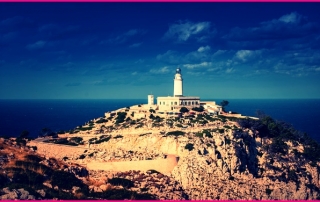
point(206, 157)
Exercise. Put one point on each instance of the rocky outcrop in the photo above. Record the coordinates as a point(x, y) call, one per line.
point(21, 194)
point(215, 159)
point(162, 186)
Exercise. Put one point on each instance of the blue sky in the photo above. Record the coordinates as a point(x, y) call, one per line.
point(129, 50)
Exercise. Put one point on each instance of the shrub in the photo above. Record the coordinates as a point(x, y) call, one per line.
point(121, 182)
point(20, 141)
point(122, 194)
point(101, 120)
point(268, 191)
point(279, 146)
point(102, 139)
point(85, 128)
point(175, 133)
point(76, 139)
point(153, 171)
point(33, 158)
point(65, 180)
point(121, 117)
point(198, 109)
point(184, 109)
point(189, 147)
point(228, 141)
point(24, 134)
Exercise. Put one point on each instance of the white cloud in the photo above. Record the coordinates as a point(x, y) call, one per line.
point(134, 73)
point(291, 18)
point(203, 48)
point(184, 30)
point(135, 45)
point(214, 69)
point(246, 55)
point(36, 45)
point(122, 38)
point(219, 52)
point(317, 69)
point(192, 66)
point(131, 32)
point(229, 70)
point(160, 70)
point(170, 56)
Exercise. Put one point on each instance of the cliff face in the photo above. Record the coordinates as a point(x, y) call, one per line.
point(210, 158)
point(240, 171)
point(229, 165)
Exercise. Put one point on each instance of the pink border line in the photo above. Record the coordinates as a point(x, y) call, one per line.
point(150, 1)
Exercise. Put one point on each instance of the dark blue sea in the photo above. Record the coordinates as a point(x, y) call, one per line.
point(34, 115)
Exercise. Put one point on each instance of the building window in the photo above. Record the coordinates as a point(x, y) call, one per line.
point(160, 103)
point(196, 103)
point(192, 103)
point(188, 103)
point(171, 103)
point(175, 103)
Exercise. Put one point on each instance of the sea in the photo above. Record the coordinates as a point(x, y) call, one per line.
point(34, 115)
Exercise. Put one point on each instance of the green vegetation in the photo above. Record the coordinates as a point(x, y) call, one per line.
point(227, 141)
point(30, 175)
point(84, 128)
point(198, 109)
point(102, 120)
point(65, 180)
point(153, 171)
point(121, 194)
point(206, 133)
point(73, 141)
point(268, 191)
point(77, 140)
point(223, 104)
point(175, 133)
point(189, 147)
point(280, 132)
point(62, 141)
point(24, 134)
point(102, 138)
point(121, 117)
point(121, 182)
point(145, 134)
point(184, 109)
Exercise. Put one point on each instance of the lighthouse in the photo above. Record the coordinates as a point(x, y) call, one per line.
point(175, 102)
point(177, 88)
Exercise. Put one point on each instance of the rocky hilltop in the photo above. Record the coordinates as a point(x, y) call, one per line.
point(199, 156)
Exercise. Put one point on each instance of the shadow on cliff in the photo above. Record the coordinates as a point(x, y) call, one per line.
point(246, 152)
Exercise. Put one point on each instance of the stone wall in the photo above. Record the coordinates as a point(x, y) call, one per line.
point(59, 151)
point(162, 165)
point(56, 150)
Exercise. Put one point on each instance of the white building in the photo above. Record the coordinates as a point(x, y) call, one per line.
point(175, 102)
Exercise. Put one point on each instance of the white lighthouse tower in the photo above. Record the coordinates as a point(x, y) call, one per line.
point(177, 89)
